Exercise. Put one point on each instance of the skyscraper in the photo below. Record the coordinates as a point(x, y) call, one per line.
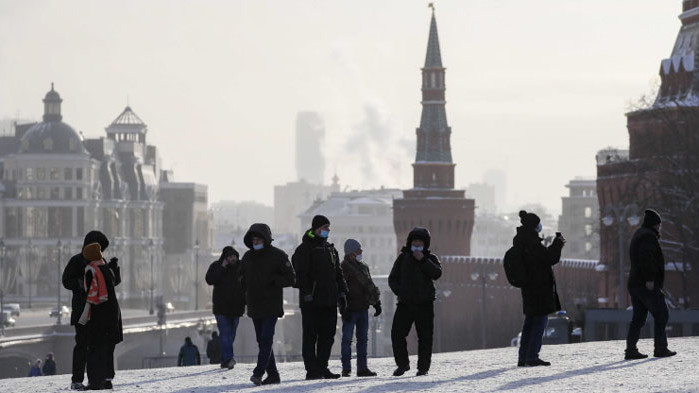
point(310, 133)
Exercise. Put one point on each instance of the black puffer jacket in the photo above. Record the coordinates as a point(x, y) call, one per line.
point(362, 290)
point(228, 296)
point(105, 324)
point(412, 281)
point(647, 260)
point(74, 273)
point(539, 295)
point(318, 271)
point(265, 274)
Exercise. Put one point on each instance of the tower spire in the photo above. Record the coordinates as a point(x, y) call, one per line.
point(433, 59)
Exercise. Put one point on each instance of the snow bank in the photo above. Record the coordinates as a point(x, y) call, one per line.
point(587, 367)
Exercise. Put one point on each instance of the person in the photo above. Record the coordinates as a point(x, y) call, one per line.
point(266, 272)
point(49, 365)
point(213, 349)
point(645, 285)
point(189, 354)
point(73, 280)
point(362, 293)
point(101, 316)
point(539, 295)
point(412, 281)
point(35, 369)
point(322, 289)
point(228, 301)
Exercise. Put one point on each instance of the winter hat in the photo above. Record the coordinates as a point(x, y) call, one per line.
point(92, 252)
point(319, 221)
point(651, 218)
point(529, 220)
point(228, 251)
point(96, 237)
point(351, 246)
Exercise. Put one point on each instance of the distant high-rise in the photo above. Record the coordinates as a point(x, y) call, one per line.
point(310, 133)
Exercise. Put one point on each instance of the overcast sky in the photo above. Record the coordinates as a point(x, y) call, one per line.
point(534, 88)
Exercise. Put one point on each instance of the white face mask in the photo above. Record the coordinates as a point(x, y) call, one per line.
point(359, 257)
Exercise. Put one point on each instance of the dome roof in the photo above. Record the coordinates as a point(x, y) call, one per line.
point(51, 137)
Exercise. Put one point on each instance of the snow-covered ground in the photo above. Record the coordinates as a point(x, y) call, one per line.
point(588, 367)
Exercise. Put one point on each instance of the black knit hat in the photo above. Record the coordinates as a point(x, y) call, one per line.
point(651, 218)
point(228, 251)
point(319, 221)
point(529, 220)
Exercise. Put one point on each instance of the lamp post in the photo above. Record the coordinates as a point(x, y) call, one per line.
point(58, 282)
point(619, 214)
point(483, 276)
point(2, 286)
point(151, 245)
point(196, 275)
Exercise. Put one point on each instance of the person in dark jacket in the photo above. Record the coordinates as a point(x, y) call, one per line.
point(101, 316)
point(645, 285)
point(35, 369)
point(228, 300)
point(362, 294)
point(49, 365)
point(539, 295)
point(412, 281)
point(73, 276)
point(266, 272)
point(189, 354)
point(213, 349)
point(322, 289)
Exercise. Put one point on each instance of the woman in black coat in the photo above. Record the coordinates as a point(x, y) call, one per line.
point(539, 296)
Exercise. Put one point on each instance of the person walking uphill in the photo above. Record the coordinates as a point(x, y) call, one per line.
point(412, 281)
point(362, 294)
point(322, 289)
point(101, 316)
point(266, 272)
point(539, 296)
point(73, 276)
point(228, 300)
point(645, 285)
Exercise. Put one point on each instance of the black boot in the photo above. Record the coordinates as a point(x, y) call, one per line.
point(256, 380)
point(312, 375)
point(400, 371)
point(633, 354)
point(536, 362)
point(347, 373)
point(272, 380)
point(664, 353)
point(366, 373)
point(327, 374)
point(420, 373)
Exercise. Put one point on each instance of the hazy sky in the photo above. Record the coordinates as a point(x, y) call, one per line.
point(534, 88)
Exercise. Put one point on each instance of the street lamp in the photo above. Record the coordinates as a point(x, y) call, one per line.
point(151, 245)
point(58, 282)
point(2, 286)
point(483, 276)
point(196, 275)
point(620, 214)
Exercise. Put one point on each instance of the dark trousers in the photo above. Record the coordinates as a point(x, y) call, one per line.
point(644, 301)
point(79, 353)
point(100, 362)
point(264, 331)
point(422, 315)
point(227, 328)
point(319, 325)
point(360, 320)
point(532, 336)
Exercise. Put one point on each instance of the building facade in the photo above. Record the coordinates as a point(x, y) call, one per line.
point(294, 198)
point(579, 220)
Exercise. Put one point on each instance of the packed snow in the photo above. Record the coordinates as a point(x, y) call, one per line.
point(587, 367)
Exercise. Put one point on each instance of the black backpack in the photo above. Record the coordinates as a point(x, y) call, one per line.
point(515, 271)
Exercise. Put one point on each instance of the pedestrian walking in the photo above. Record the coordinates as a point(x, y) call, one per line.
point(539, 294)
point(189, 354)
point(266, 272)
point(228, 301)
point(645, 285)
point(412, 281)
point(213, 349)
point(322, 290)
point(35, 369)
point(362, 293)
point(49, 365)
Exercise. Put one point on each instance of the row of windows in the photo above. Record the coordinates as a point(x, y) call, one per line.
point(31, 174)
point(50, 193)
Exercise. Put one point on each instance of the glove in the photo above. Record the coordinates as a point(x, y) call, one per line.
point(113, 262)
point(342, 303)
point(308, 298)
point(378, 309)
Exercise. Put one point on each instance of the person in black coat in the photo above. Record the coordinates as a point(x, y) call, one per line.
point(645, 285)
point(412, 281)
point(322, 289)
point(213, 349)
point(266, 272)
point(539, 295)
point(73, 276)
point(49, 365)
point(228, 300)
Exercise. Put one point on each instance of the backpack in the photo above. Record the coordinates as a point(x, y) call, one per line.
point(515, 271)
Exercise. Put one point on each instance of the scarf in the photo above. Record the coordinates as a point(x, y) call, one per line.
point(96, 289)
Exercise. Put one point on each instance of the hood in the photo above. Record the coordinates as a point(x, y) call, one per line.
point(526, 232)
point(261, 230)
point(419, 233)
point(309, 236)
point(227, 251)
point(96, 237)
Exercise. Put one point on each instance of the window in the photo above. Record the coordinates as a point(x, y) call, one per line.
point(588, 212)
point(68, 193)
point(588, 247)
point(40, 173)
point(433, 80)
point(588, 229)
point(68, 174)
point(41, 193)
point(55, 193)
point(78, 174)
point(79, 193)
point(30, 173)
point(55, 174)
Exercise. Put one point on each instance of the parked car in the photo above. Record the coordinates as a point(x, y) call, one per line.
point(13, 308)
point(559, 330)
point(6, 319)
point(65, 311)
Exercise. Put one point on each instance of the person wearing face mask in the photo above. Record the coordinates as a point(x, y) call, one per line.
point(228, 300)
point(412, 281)
point(266, 272)
point(322, 289)
point(362, 294)
point(539, 295)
